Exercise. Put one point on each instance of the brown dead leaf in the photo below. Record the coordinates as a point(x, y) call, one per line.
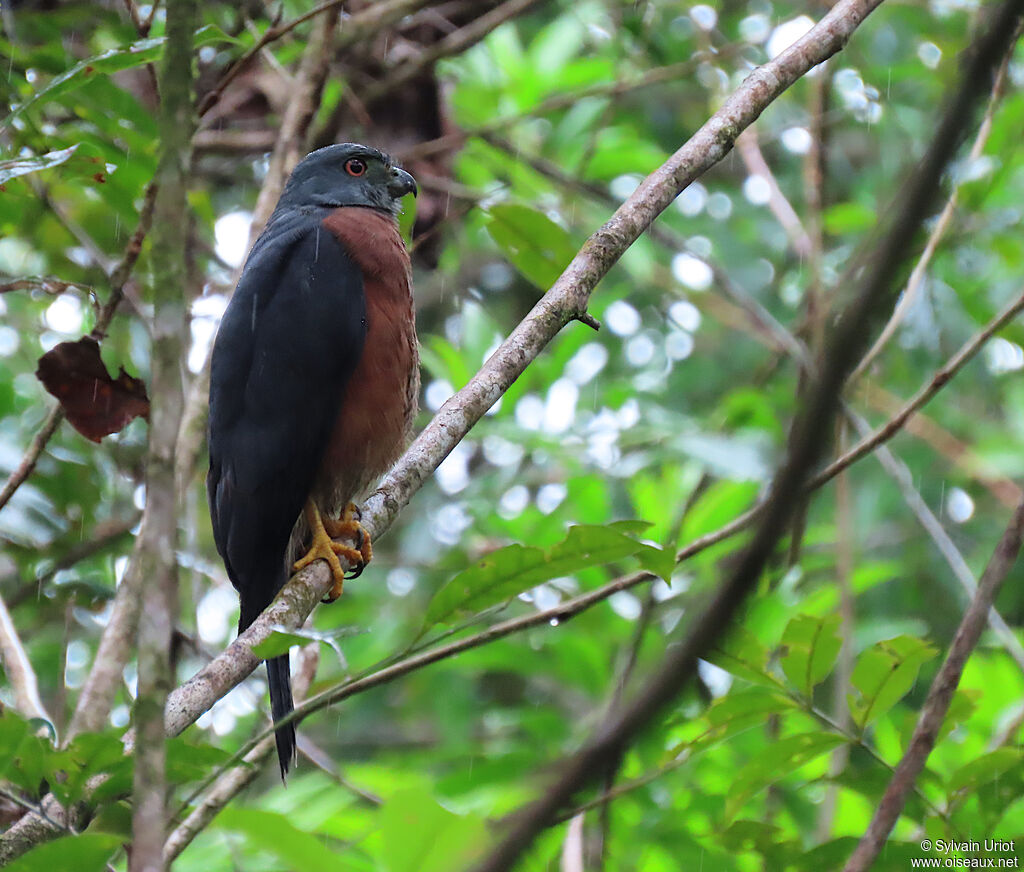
point(94, 403)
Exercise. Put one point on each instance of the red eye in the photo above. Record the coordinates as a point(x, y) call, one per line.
point(355, 167)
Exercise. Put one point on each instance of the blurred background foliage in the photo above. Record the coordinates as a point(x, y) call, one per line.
point(674, 414)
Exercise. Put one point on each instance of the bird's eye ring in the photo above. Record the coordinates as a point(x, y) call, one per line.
point(355, 167)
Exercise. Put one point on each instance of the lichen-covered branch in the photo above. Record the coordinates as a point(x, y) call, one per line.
point(156, 551)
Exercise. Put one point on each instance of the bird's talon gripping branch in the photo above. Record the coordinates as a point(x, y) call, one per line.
point(348, 527)
point(323, 547)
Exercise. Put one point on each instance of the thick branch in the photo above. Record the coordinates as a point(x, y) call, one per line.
point(939, 697)
point(18, 669)
point(158, 536)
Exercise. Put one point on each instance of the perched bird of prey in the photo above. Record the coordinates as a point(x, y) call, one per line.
point(313, 385)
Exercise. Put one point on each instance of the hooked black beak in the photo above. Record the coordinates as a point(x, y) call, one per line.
point(401, 183)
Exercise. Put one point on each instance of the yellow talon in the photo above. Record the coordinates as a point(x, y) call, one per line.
point(323, 546)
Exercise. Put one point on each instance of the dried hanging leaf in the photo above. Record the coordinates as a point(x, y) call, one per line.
point(95, 404)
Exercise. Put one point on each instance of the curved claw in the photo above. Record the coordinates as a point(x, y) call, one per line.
point(348, 527)
point(323, 547)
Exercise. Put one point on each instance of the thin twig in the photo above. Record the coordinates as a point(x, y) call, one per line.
point(749, 149)
point(937, 382)
point(916, 281)
point(944, 443)
point(845, 562)
point(452, 44)
point(96, 544)
point(898, 471)
point(31, 458)
point(940, 694)
point(356, 27)
point(815, 174)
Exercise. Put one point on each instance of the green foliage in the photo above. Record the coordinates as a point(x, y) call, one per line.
point(810, 647)
point(85, 853)
point(505, 573)
point(419, 835)
point(538, 247)
point(884, 674)
point(676, 411)
point(781, 758)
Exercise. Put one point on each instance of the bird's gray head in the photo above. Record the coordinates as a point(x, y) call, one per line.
point(348, 174)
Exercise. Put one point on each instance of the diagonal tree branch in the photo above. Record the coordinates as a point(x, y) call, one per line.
point(805, 448)
point(899, 473)
point(940, 694)
point(18, 669)
point(916, 281)
point(941, 378)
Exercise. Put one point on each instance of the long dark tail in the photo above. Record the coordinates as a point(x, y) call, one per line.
point(279, 676)
point(280, 681)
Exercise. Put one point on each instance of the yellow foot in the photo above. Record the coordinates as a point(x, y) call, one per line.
point(323, 546)
point(348, 527)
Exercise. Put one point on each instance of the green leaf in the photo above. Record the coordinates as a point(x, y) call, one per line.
point(845, 218)
point(407, 218)
point(22, 166)
point(25, 758)
point(532, 242)
point(737, 712)
point(778, 759)
point(884, 674)
point(810, 647)
point(116, 59)
point(419, 835)
point(961, 707)
point(188, 760)
point(281, 641)
point(745, 657)
point(88, 852)
point(277, 643)
point(88, 754)
point(144, 51)
point(507, 572)
point(718, 505)
point(275, 834)
point(983, 769)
